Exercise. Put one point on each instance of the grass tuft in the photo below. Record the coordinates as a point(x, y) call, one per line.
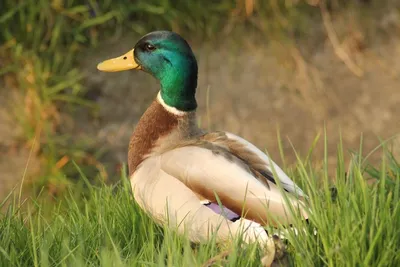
point(359, 227)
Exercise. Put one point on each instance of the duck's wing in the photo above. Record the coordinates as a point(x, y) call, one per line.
point(268, 164)
point(214, 172)
point(170, 201)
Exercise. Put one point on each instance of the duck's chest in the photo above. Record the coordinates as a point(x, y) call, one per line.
point(155, 123)
point(157, 130)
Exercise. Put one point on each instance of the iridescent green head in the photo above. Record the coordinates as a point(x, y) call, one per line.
point(169, 58)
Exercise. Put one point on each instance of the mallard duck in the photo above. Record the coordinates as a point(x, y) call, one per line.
point(202, 182)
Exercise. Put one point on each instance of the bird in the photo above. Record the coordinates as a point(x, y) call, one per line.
point(203, 183)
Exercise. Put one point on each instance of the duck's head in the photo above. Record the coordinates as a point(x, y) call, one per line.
point(168, 58)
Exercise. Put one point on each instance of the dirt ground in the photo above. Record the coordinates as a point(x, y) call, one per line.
point(252, 89)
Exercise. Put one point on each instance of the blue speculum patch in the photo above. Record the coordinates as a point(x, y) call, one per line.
point(227, 213)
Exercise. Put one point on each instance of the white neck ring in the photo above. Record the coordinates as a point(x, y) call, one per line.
point(168, 108)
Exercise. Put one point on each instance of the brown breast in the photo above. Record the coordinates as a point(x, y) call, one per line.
point(155, 123)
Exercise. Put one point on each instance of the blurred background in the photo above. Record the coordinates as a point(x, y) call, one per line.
point(269, 70)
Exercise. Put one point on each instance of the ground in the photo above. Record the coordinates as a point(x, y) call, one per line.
point(256, 89)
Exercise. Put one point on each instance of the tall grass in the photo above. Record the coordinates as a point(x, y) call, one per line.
point(40, 43)
point(359, 226)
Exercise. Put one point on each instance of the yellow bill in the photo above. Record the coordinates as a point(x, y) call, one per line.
point(124, 62)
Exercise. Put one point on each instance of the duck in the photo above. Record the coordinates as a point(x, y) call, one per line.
point(203, 183)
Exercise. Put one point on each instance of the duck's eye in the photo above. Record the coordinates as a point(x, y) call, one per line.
point(149, 47)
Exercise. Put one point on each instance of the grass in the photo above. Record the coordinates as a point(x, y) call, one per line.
point(99, 225)
point(102, 226)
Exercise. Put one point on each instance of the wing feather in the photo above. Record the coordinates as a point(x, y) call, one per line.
point(286, 182)
point(209, 175)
